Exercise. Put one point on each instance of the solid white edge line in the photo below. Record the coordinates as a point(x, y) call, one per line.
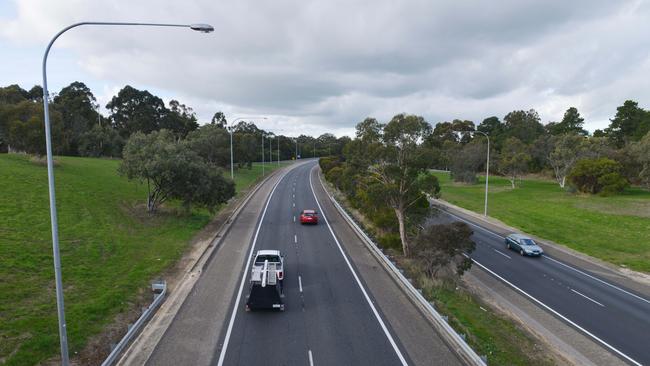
point(503, 254)
point(224, 348)
point(300, 283)
point(354, 274)
point(554, 260)
point(311, 358)
point(556, 313)
point(587, 297)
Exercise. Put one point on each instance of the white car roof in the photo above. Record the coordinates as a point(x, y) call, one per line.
point(268, 252)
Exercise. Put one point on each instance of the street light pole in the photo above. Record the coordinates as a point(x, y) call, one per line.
point(262, 153)
point(278, 150)
point(232, 165)
point(487, 172)
point(232, 160)
point(63, 337)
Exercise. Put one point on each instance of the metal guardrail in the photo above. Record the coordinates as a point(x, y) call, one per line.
point(159, 289)
point(456, 340)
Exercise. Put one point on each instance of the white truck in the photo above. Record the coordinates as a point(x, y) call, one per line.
point(267, 277)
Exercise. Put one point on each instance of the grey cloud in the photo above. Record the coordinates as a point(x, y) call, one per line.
point(331, 63)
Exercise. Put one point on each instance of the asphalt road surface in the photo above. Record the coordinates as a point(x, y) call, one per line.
point(341, 306)
point(329, 318)
point(614, 316)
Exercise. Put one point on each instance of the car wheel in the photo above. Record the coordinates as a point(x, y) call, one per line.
point(521, 251)
point(508, 245)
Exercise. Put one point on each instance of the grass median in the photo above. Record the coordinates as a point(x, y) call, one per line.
point(615, 229)
point(110, 249)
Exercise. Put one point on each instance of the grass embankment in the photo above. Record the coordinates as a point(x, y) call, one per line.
point(110, 250)
point(487, 332)
point(615, 229)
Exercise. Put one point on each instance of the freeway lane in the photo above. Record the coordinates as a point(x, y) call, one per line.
point(616, 316)
point(328, 319)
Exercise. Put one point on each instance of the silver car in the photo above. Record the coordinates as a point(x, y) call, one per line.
point(523, 244)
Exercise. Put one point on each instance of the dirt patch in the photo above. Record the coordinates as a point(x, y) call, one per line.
point(638, 209)
point(42, 161)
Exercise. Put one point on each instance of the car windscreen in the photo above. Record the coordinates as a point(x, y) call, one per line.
point(271, 258)
point(527, 242)
point(308, 214)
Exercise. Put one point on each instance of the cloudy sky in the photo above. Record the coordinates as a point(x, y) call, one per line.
point(322, 66)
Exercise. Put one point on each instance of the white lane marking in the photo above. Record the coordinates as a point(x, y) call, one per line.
point(598, 279)
point(294, 219)
point(587, 297)
point(222, 356)
point(295, 238)
point(503, 254)
point(554, 260)
point(294, 204)
point(556, 313)
point(300, 283)
point(354, 274)
point(293, 196)
point(311, 358)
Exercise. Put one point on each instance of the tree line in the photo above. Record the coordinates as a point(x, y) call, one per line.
point(79, 129)
point(604, 162)
point(384, 172)
point(161, 145)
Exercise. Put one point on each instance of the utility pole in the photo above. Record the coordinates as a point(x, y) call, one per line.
point(262, 153)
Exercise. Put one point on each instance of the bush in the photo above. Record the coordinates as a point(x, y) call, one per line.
point(327, 163)
point(598, 176)
point(390, 241)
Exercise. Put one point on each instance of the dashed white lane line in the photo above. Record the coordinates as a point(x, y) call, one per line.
point(294, 219)
point(587, 297)
point(311, 358)
point(574, 324)
point(294, 204)
point(554, 260)
point(356, 277)
point(224, 348)
point(295, 238)
point(293, 196)
point(503, 254)
point(300, 283)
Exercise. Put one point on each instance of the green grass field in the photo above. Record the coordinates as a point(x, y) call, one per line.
point(110, 250)
point(615, 229)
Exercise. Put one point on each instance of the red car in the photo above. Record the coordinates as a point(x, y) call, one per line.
point(308, 217)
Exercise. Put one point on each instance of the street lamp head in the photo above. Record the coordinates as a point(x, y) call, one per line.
point(204, 28)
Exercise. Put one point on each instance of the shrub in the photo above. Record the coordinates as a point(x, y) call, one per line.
point(327, 163)
point(598, 176)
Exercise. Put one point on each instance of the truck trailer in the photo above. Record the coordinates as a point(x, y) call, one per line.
point(265, 288)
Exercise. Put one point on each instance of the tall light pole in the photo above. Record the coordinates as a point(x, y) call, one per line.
point(262, 153)
point(487, 171)
point(278, 150)
point(232, 125)
point(63, 337)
